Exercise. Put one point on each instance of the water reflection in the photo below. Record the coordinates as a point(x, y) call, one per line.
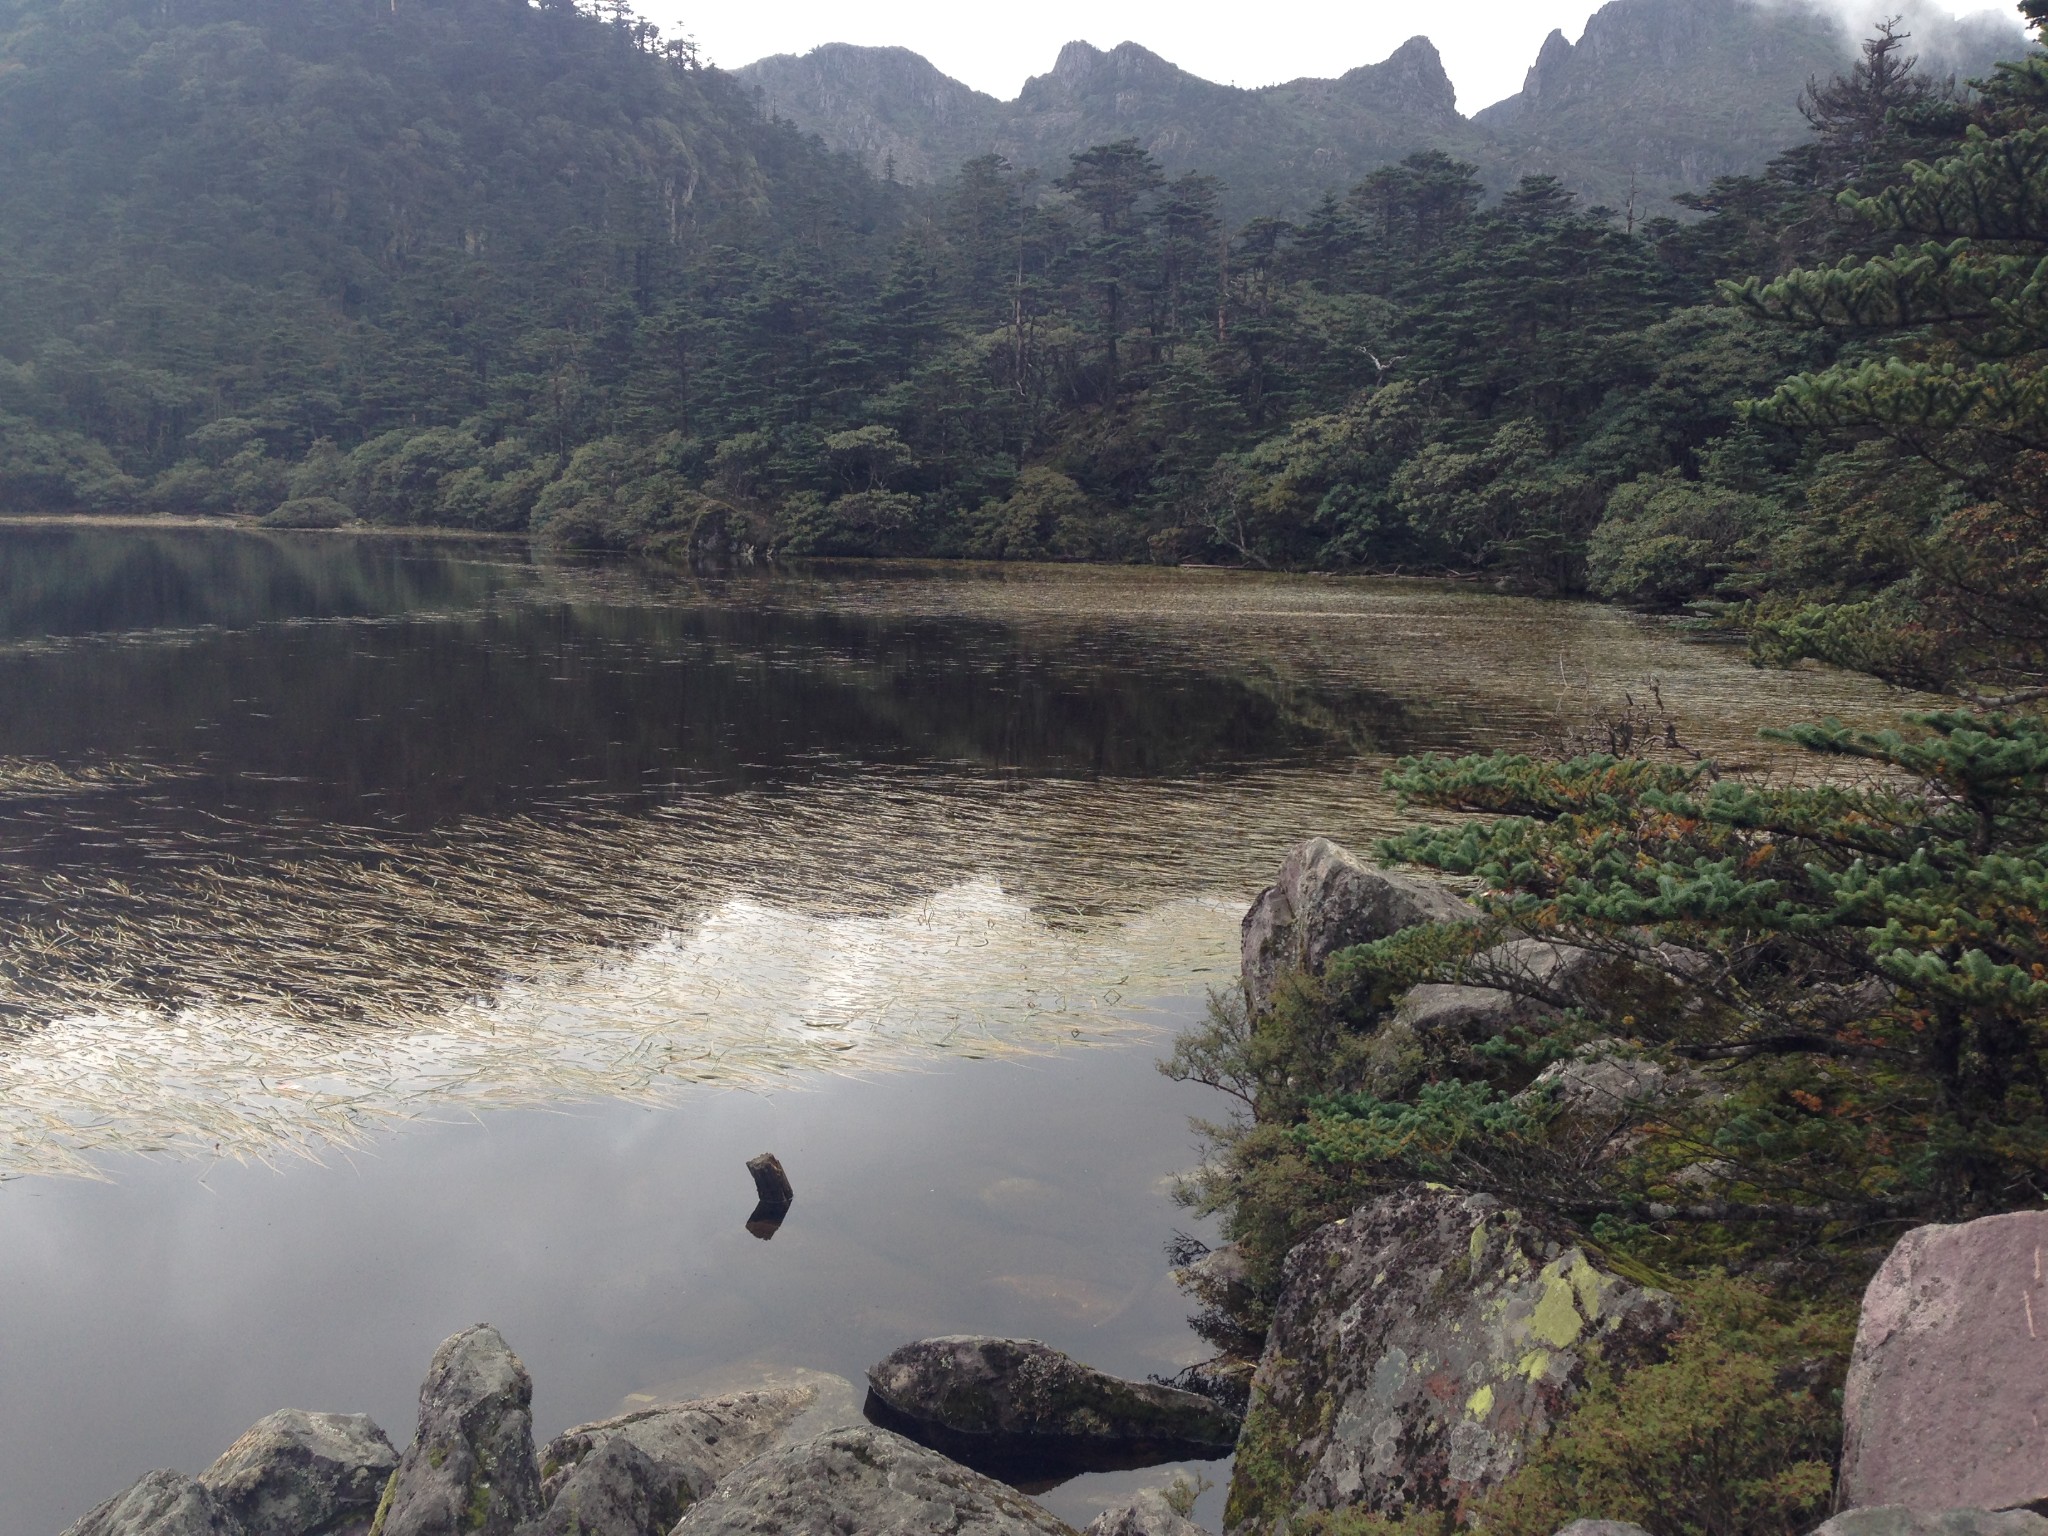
point(301, 832)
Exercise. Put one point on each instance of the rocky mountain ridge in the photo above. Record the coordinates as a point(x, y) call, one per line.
point(1657, 96)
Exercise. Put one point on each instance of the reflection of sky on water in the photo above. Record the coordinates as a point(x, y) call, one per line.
point(301, 833)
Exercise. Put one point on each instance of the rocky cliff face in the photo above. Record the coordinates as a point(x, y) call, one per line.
point(1280, 146)
point(1658, 96)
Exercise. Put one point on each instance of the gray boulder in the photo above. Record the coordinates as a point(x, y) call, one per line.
point(861, 1479)
point(1947, 1391)
point(1601, 1084)
point(1326, 899)
point(1418, 1349)
point(996, 1403)
point(1144, 1514)
point(294, 1473)
point(694, 1443)
point(617, 1490)
point(1602, 1528)
point(1437, 1010)
point(1897, 1520)
point(470, 1468)
point(160, 1504)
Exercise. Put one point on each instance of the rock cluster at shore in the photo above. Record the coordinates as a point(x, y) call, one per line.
point(1419, 1349)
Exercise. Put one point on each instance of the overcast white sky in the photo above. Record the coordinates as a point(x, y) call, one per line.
point(1486, 44)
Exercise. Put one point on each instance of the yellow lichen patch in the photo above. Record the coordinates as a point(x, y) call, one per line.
point(1533, 1364)
point(1591, 1287)
point(1480, 1403)
point(1556, 1319)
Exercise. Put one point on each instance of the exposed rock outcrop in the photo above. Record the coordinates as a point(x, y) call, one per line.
point(1326, 899)
point(1897, 1520)
point(470, 1468)
point(1602, 1528)
point(160, 1504)
point(997, 1404)
point(294, 1473)
point(617, 1490)
point(696, 1443)
point(861, 1479)
point(1419, 1347)
point(1947, 1392)
point(1145, 1513)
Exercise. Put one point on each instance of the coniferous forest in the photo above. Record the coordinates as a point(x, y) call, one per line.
point(508, 267)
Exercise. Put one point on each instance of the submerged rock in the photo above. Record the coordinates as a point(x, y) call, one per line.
point(617, 1490)
point(861, 1479)
point(1145, 1513)
point(1326, 899)
point(470, 1468)
point(1003, 1404)
point(1418, 1349)
point(161, 1504)
point(1948, 1384)
point(294, 1473)
point(1897, 1520)
point(695, 1443)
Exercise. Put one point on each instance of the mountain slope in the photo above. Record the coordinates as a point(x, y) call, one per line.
point(1658, 96)
point(359, 216)
point(1662, 95)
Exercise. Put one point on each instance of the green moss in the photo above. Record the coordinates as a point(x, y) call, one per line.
point(384, 1503)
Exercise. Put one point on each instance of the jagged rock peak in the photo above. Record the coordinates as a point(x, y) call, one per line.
point(1412, 78)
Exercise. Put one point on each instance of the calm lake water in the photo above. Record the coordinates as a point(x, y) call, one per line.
point(411, 931)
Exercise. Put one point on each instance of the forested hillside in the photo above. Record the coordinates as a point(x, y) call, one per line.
point(239, 239)
point(516, 267)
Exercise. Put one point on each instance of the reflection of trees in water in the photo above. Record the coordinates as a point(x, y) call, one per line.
point(71, 578)
point(472, 781)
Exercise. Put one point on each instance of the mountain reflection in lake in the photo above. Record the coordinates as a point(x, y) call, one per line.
point(298, 832)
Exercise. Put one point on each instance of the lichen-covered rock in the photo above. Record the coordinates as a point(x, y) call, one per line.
point(617, 1490)
point(1898, 1520)
point(160, 1504)
point(991, 1401)
point(1326, 899)
point(294, 1473)
point(861, 1479)
point(1145, 1513)
point(1946, 1403)
point(470, 1468)
point(1418, 1349)
point(697, 1442)
point(1602, 1528)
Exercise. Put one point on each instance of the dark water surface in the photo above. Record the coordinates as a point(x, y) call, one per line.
point(412, 931)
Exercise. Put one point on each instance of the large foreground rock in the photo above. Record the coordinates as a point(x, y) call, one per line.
point(694, 1443)
point(160, 1504)
point(1000, 1403)
point(1145, 1513)
point(470, 1468)
point(617, 1490)
point(1418, 1349)
point(294, 1473)
point(860, 1480)
point(1946, 1404)
point(1897, 1520)
point(1326, 899)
